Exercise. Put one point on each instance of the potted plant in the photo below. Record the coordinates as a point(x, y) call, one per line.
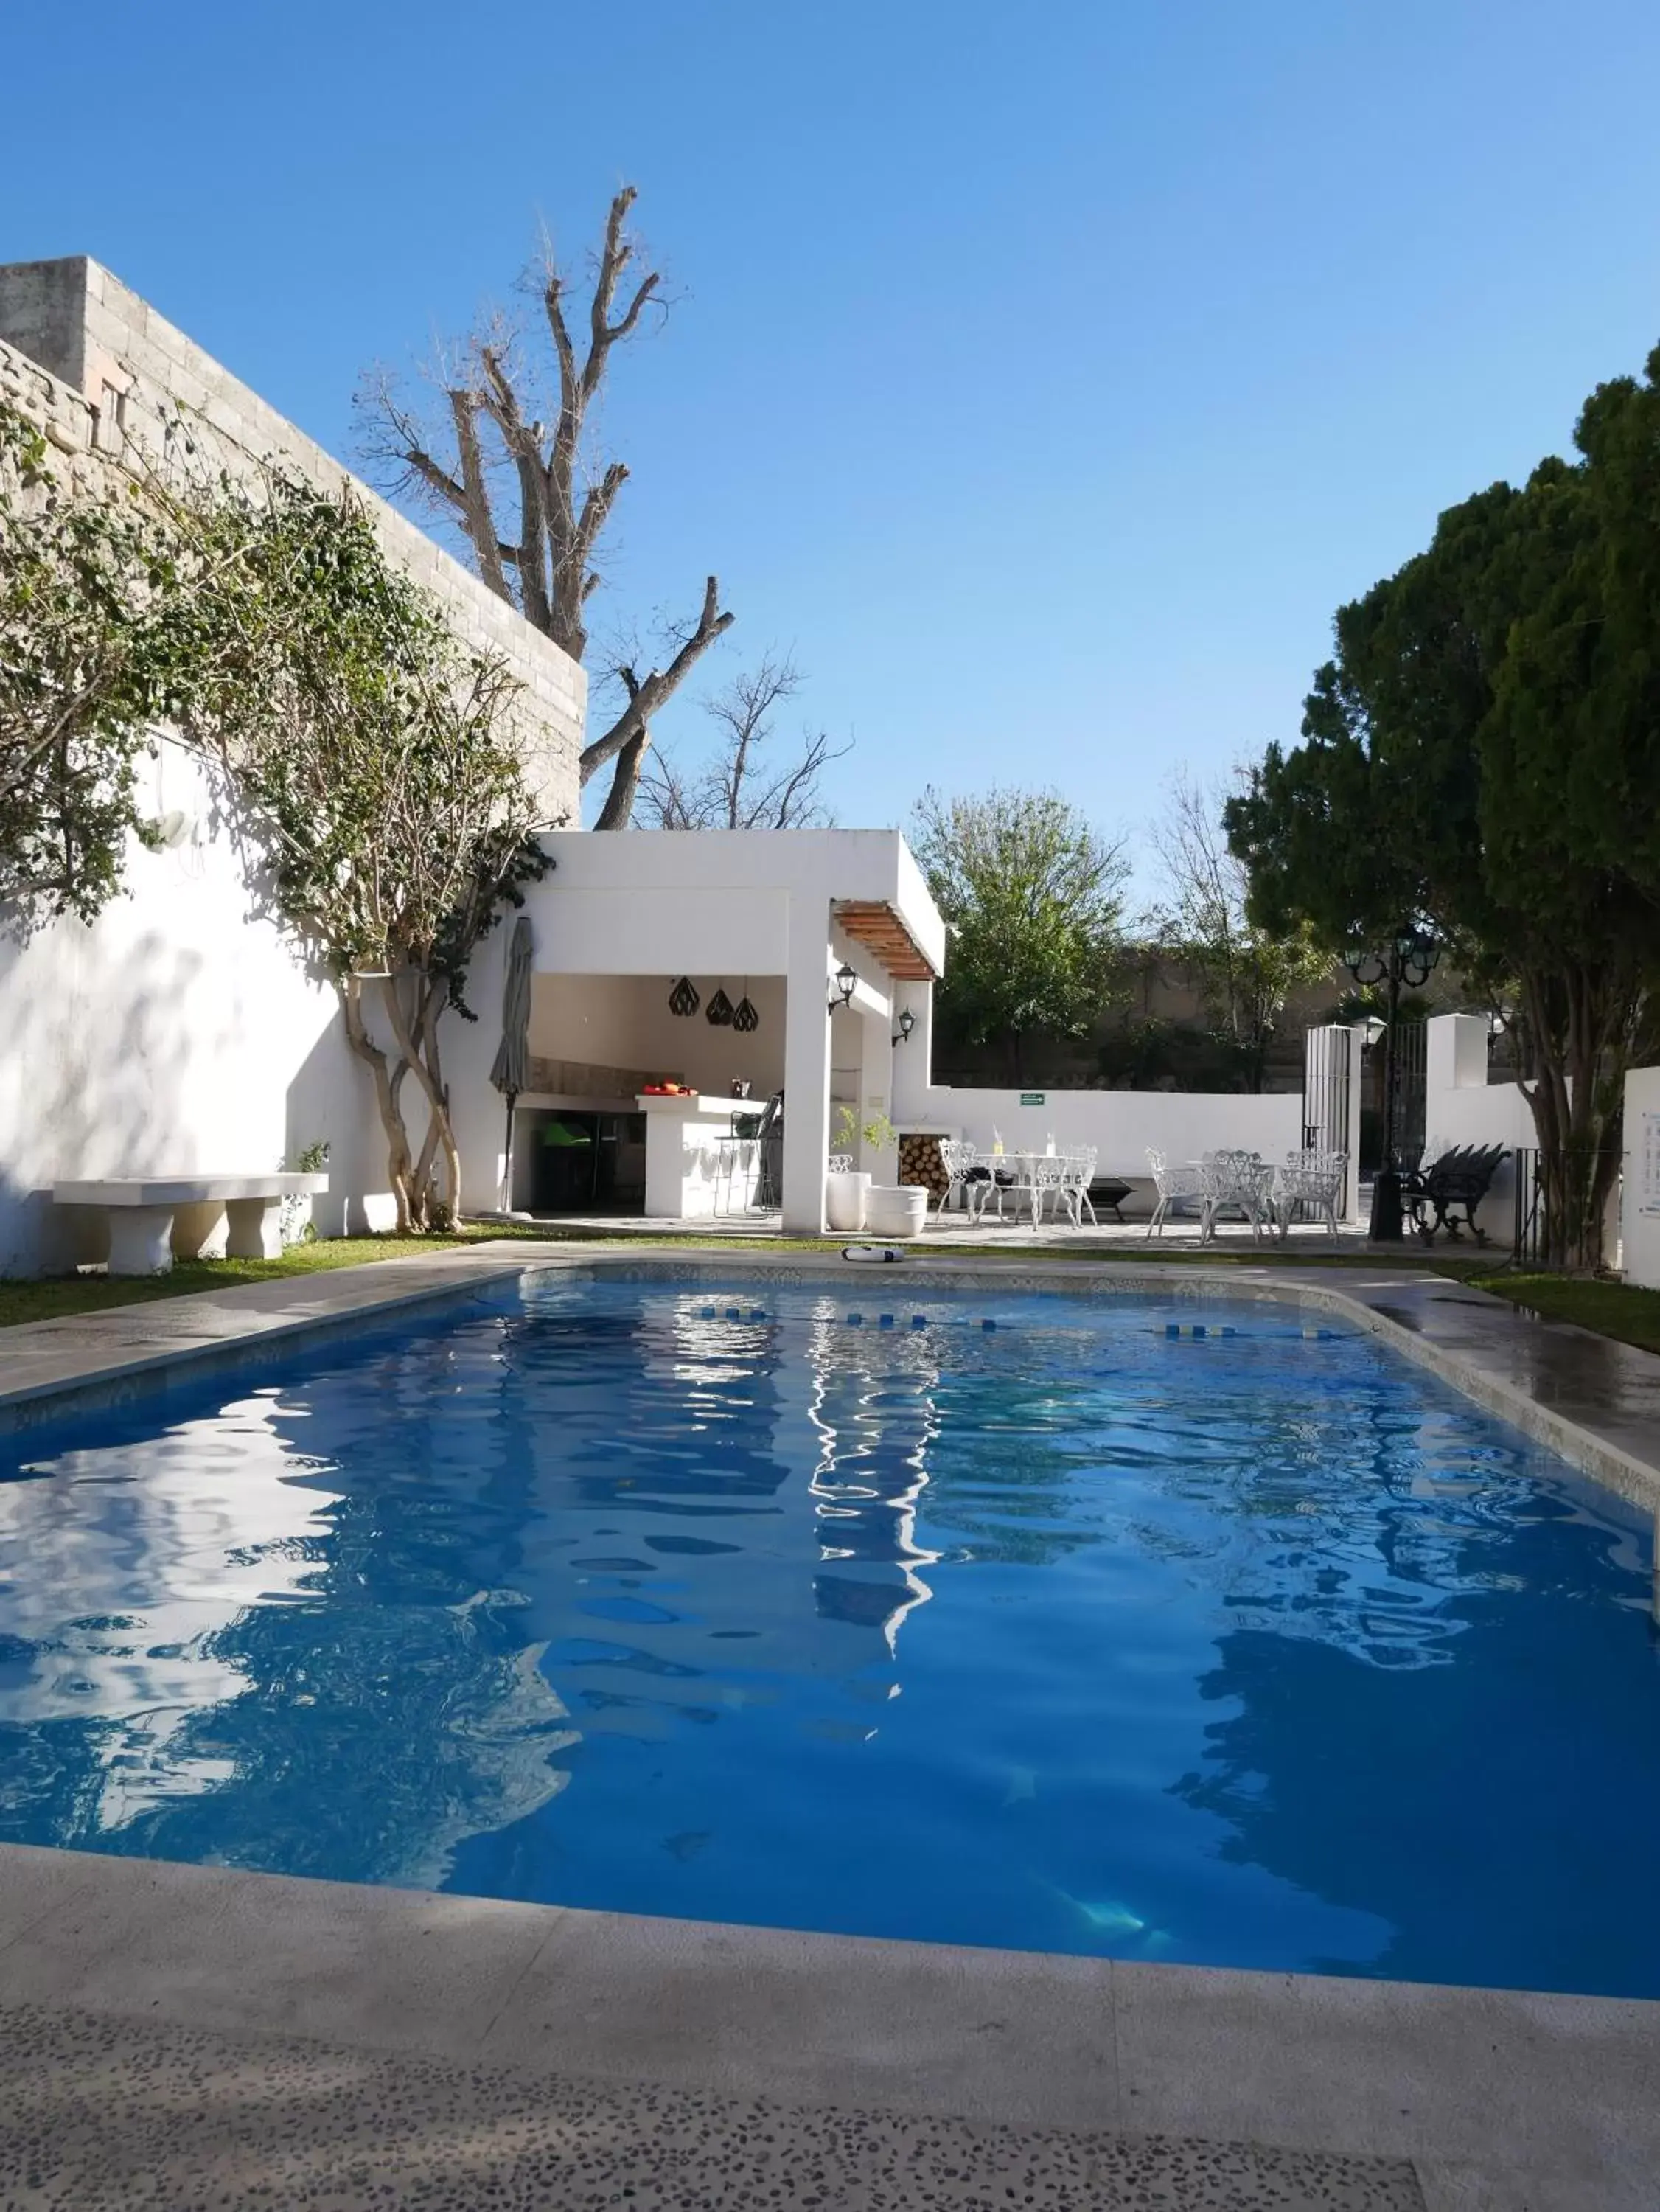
point(846, 1189)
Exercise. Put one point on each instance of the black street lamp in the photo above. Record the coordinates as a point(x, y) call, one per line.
point(1408, 958)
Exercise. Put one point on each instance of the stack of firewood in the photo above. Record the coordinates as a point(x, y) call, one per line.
point(920, 1163)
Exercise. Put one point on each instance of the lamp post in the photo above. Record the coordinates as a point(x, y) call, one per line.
point(1407, 959)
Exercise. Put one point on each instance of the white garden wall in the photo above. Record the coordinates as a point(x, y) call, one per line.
point(1461, 1107)
point(1639, 1216)
point(1121, 1125)
point(179, 1032)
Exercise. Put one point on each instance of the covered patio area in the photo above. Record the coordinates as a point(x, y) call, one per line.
point(700, 1003)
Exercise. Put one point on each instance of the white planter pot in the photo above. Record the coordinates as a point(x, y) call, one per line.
point(844, 1196)
point(896, 1209)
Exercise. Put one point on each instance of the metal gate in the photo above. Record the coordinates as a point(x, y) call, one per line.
point(1328, 1079)
point(1529, 1235)
point(1411, 1090)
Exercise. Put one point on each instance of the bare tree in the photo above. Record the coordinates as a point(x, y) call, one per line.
point(492, 453)
point(741, 787)
point(1243, 974)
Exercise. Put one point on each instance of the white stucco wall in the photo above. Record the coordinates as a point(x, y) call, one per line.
point(178, 1032)
point(1639, 1216)
point(1121, 1125)
point(1461, 1107)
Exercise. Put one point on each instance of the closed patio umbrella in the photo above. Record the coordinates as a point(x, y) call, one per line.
point(510, 1072)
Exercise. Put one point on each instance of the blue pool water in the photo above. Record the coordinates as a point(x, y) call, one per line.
point(1261, 1650)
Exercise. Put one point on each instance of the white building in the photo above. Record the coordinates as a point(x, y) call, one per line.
point(772, 916)
point(180, 1034)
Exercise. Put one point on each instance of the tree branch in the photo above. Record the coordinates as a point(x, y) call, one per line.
point(501, 403)
point(473, 495)
point(660, 685)
point(619, 808)
point(616, 256)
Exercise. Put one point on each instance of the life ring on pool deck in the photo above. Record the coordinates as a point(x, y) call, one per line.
point(880, 1255)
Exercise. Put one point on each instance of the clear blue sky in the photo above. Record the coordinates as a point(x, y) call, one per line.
point(1044, 377)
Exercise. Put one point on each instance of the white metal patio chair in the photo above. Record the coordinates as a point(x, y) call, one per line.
point(1177, 1186)
point(1071, 1187)
point(1045, 1184)
point(1311, 1179)
point(1242, 1181)
point(991, 1178)
point(956, 1159)
point(1080, 1173)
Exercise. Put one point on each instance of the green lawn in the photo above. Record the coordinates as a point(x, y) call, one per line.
point(1610, 1308)
point(74, 1294)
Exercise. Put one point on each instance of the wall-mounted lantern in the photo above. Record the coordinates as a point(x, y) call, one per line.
point(842, 989)
point(907, 1023)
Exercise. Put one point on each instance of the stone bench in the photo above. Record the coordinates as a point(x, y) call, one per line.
point(141, 1210)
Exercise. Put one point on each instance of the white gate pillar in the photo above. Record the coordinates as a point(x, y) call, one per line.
point(1331, 1100)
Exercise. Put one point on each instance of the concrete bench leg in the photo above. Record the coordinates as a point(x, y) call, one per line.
point(256, 1229)
point(140, 1239)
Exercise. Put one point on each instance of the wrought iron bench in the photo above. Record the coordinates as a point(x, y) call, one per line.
point(1449, 1189)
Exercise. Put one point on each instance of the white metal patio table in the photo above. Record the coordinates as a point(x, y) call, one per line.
point(1026, 1171)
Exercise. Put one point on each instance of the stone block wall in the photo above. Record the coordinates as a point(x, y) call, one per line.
point(65, 416)
point(98, 369)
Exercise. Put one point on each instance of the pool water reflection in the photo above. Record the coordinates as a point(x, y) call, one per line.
point(1263, 1651)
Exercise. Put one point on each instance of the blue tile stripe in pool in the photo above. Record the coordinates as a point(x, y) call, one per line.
point(1152, 1628)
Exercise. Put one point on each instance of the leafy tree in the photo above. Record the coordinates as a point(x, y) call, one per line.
point(379, 764)
point(1480, 757)
point(741, 787)
point(1245, 973)
point(86, 667)
point(1034, 898)
point(513, 470)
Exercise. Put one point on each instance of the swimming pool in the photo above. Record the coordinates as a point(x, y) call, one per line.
point(836, 1610)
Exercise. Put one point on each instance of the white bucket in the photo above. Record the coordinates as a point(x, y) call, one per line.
point(896, 1209)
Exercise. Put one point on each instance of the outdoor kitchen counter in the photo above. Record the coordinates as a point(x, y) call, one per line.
point(693, 1167)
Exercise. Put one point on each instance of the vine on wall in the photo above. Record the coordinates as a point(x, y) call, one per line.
point(259, 619)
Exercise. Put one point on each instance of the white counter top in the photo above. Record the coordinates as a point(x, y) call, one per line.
point(688, 1105)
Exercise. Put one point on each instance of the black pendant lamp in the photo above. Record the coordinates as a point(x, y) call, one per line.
point(720, 1011)
point(745, 1019)
point(683, 998)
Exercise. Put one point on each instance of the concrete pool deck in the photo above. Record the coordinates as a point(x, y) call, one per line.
point(172, 2035)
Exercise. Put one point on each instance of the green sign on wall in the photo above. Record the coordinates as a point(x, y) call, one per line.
point(1033, 1097)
